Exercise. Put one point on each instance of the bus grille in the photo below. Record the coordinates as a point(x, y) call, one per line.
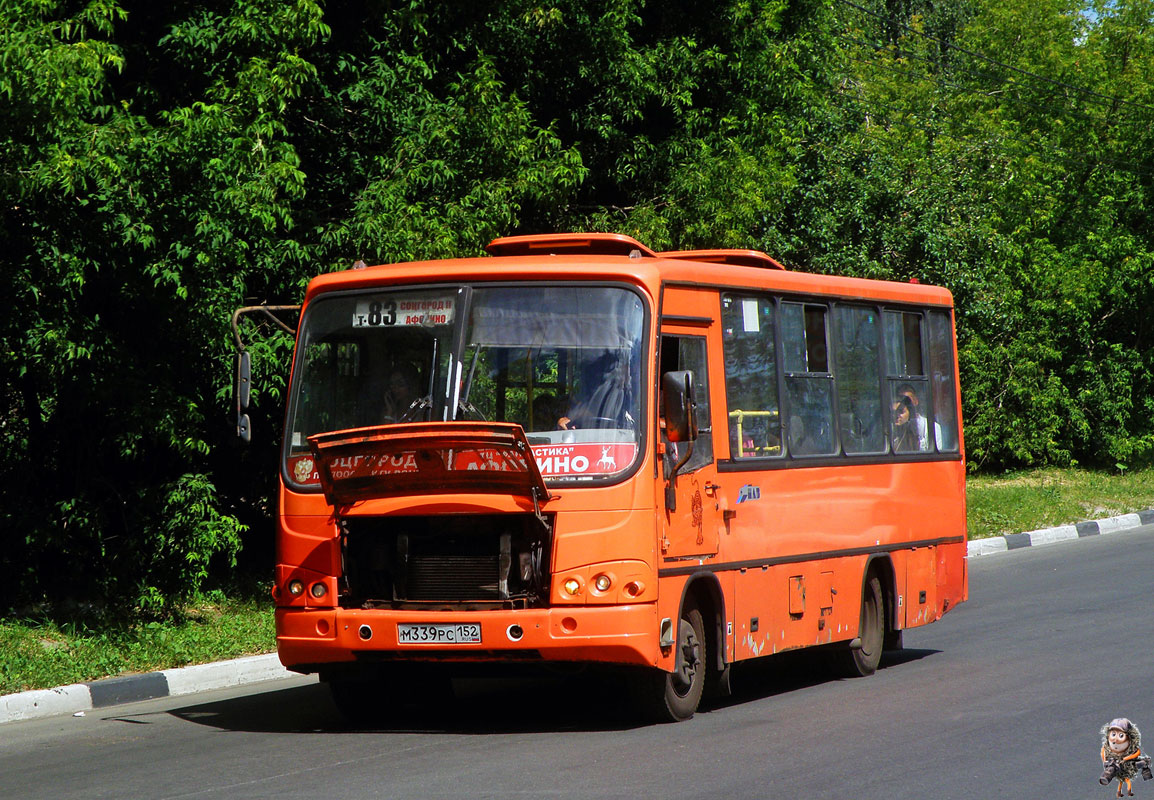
point(432, 578)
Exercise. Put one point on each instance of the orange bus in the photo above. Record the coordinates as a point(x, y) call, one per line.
point(579, 450)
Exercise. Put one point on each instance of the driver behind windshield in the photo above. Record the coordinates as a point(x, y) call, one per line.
point(607, 405)
point(401, 392)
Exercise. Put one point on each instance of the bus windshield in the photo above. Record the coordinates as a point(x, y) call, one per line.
point(564, 362)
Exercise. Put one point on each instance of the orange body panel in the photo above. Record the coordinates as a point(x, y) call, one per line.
point(786, 549)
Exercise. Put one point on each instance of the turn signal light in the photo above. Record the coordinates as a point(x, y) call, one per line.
point(571, 586)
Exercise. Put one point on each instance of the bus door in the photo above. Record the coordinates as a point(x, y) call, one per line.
point(693, 517)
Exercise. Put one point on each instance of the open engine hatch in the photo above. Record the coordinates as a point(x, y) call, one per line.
point(426, 458)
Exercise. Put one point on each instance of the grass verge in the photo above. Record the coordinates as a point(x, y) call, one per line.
point(1027, 501)
point(41, 654)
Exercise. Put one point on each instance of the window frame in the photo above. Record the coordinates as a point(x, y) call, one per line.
point(645, 398)
point(788, 459)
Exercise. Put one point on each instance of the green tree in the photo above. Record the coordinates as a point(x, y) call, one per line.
point(1003, 152)
point(163, 165)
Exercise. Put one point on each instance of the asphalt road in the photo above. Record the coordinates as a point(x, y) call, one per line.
point(1003, 697)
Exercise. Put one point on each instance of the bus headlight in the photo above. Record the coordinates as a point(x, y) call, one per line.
point(605, 583)
point(296, 587)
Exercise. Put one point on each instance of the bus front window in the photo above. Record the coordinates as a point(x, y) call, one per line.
point(563, 362)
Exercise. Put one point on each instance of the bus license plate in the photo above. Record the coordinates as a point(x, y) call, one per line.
point(456, 633)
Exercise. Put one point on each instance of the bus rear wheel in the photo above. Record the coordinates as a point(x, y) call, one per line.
point(674, 696)
point(863, 660)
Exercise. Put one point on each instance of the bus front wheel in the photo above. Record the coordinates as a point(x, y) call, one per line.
point(674, 696)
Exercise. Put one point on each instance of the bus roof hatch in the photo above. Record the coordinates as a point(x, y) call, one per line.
point(741, 258)
point(565, 244)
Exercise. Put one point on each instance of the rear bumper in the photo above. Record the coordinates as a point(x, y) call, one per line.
point(311, 639)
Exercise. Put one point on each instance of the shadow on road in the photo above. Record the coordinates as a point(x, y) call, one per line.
point(783, 673)
point(586, 701)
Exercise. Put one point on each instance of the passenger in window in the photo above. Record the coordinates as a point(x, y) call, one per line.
point(743, 445)
point(402, 392)
point(910, 427)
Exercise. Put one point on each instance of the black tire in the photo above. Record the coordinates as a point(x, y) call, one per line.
point(864, 660)
point(674, 696)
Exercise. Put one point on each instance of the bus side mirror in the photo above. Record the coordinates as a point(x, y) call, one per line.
point(243, 394)
point(680, 406)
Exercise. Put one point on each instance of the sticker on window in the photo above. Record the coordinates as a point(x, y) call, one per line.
point(399, 312)
point(584, 459)
point(749, 316)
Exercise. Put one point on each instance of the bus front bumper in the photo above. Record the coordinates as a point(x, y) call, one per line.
point(311, 639)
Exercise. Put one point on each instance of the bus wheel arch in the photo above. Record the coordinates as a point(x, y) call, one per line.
point(698, 644)
point(704, 590)
point(877, 618)
point(882, 566)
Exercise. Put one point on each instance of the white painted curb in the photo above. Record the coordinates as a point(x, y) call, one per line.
point(1062, 533)
point(223, 674)
point(45, 703)
point(79, 697)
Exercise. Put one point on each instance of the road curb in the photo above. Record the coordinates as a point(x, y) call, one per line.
point(83, 697)
point(1016, 541)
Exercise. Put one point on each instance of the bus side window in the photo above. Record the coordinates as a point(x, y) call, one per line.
point(751, 376)
point(808, 380)
point(908, 383)
point(856, 359)
point(688, 353)
point(942, 382)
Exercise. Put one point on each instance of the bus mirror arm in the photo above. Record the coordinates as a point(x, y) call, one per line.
point(671, 489)
point(244, 361)
point(682, 462)
point(243, 392)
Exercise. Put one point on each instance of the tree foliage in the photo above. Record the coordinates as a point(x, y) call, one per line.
point(164, 164)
